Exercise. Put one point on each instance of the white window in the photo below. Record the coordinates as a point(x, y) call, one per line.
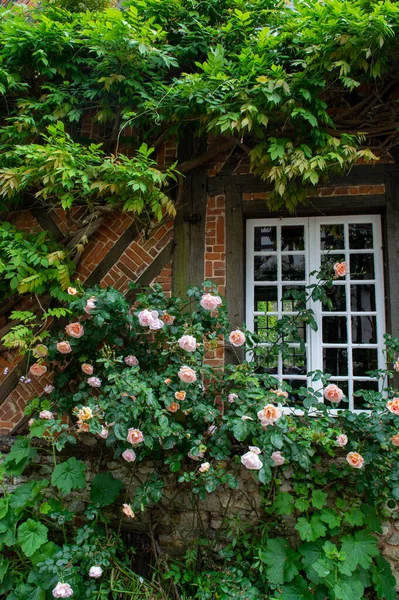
point(281, 256)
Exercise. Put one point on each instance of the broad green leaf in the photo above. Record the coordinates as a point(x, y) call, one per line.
point(4, 563)
point(311, 530)
point(319, 499)
point(105, 489)
point(384, 581)
point(360, 549)
point(26, 493)
point(351, 588)
point(31, 535)
point(69, 475)
point(284, 504)
point(354, 517)
point(44, 552)
point(330, 517)
point(240, 430)
point(298, 590)
point(310, 553)
point(281, 561)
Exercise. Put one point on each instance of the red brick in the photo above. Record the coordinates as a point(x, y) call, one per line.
point(212, 256)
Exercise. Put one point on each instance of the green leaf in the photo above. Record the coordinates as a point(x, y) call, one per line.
point(319, 499)
point(284, 504)
point(310, 553)
point(4, 563)
point(302, 504)
point(330, 517)
point(44, 552)
point(351, 588)
point(310, 531)
point(384, 581)
point(105, 489)
point(354, 517)
point(26, 493)
point(298, 590)
point(359, 549)
point(31, 535)
point(69, 475)
point(240, 430)
point(281, 561)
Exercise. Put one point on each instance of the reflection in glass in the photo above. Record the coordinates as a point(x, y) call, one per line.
point(293, 297)
point(364, 359)
point(265, 238)
point(337, 295)
point(265, 298)
point(362, 298)
point(265, 327)
point(294, 362)
point(360, 236)
point(332, 237)
point(362, 266)
point(335, 361)
point(360, 401)
point(293, 267)
point(334, 330)
point(292, 238)
point(267, 361)
point(364, 330)
point(265, 268)
point(293, 332)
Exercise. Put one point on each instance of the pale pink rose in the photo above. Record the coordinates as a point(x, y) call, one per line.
point(48, 389)
point(395, 439)
point(72, 291)
point(211, 430)
point(280, 393)
point(37, 370)
point(396, 366)
point(129, 455)
point(187, 375)
point(40, 351)
point(180, 395)
point(168, 319)
point(251, 460)
point(393, 406)
point(30, 422)
point(278, 459)
point(237, 338)
point(104, 433)
point(46, 414)
point(95, 572)
point(62, 590)
point(127, 510)
point(156, 324)
point(255, 449)
point(342, 440)
point(269, 415)
point(204, 467)
point(64, 347)
point(90, 304)
point(87, 369)
point(232, 397)
point(85, 413)
point(134, 436)
point(174, 407)
point(333, 393)
point(74, 330)
point(355, 460)
point(131, 361)
point(187, 343)
point(94, 382)
point(341, 269)
point(145, 318)
point(210, 302)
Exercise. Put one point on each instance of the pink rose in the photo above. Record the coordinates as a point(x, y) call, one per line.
point(333, 393)
point(134, 436)
point(187, 375)
point(94, 382)
point(393, 406)
point(48, 389)
point(46, 414)
point(278, 459)
point(188, 343)
point(145, 318)
point(131, 361)
point(342, 440)
point(62, 590)
point(204, 467)
point(72, 291)
point(30, 422)
point(232, 397)
point(237, 338)
point(40, 351)
point(127, 510)
point(104, 433)
point(340, 269)
point(129, 455)
point(64, 347)
point(211, 430)
point(395, 439)
point(90, 304)
point(95, 572)
point(74, 330)
point(168, 319)
point(210, 302)
point(355, 460)
point(396, 366)
point(269, 415)
point(156, 324)
point(37, 370)
point(87, 369)
point(251, 460)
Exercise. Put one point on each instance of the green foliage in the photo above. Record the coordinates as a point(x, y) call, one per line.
point(105, 489)
point(69, 475)
point(31, 535)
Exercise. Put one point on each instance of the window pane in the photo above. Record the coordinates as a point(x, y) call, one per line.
point(359, 401)
point(293, 267)
point(294, 362)
point(265, 238)
point(364, 330)
point(362, 266)
point(364, 359)
point(292, 238)
point(360, 235)
point(334, 330)
point(294, 330)
point(265, 327)
point(332, 237)
point(293, 296)
point(362, 298)
point(265, 268)
point(337, 295)
point(335, 361)
point(267, 361)
point(265, 298)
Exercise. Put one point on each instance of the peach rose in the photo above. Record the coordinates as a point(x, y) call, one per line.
point(46, 414)
point(85, 413)
point(127, 510)
point(396, 366)
point(342, 440)
point(278, 459)
point(87, 369)
point(237, 338)
point(174, 407)
point(134, 436)
point(167, 381)
point(90, 304)
point(180, 395)
point(355, 460)
point(82, 427)
point(40, 351)
point(187, 375)
point(341, 269)
point(72, 291)
point(187, 343)
point(74, 330)
point(333, 393)
point(393, 406)
point(280, 393)
point(204, 467)
point(209, 302)
point(64, 347)
point(269, 415)
point(131, 361)
point(251, 460)
point(94, 382)
point(168, 319)
point(395, 439)
point(37, 370)
point(129, 455)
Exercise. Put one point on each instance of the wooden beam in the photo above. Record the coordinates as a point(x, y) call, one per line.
point(12, 380)
point(44, 219)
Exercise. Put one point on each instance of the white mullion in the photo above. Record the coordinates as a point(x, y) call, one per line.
point(379, 295)
point(279, 295)
point(314, 262)
point(348, 319)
